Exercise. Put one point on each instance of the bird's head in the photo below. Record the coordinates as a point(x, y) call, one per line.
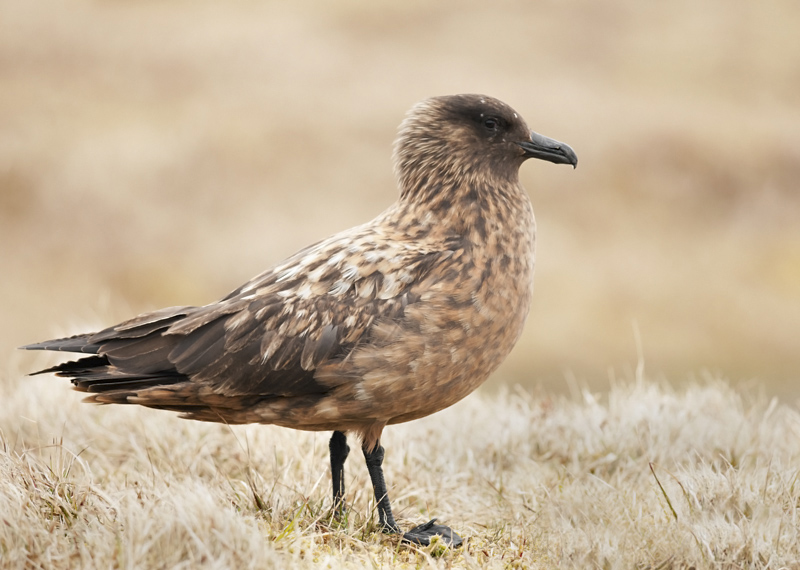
point(461, 137)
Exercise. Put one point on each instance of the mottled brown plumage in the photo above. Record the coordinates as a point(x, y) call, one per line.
point(383, 323)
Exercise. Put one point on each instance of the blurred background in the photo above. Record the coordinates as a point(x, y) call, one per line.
point(162, 153)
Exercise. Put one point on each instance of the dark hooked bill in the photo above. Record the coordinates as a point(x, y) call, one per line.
point(548, 149)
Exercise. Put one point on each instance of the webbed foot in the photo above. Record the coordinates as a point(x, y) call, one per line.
point(423, 534)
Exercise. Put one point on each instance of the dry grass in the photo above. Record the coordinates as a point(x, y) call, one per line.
point(651, 477)
point(162, 153)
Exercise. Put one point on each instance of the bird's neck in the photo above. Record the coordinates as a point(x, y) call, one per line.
point(466, 207)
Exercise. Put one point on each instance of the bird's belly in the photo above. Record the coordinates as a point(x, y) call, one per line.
point(443, 349)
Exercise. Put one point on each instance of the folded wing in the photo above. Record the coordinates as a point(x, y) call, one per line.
point(264, 340)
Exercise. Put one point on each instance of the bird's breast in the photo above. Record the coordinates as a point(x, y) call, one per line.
point(469, 312)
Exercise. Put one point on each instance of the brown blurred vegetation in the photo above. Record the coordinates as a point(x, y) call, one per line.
point(161, 153)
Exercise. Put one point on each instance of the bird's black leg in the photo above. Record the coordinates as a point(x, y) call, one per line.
point(339, 450)
point(421, 534)
point(374, 460)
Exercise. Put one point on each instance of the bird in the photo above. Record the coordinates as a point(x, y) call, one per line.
point(383, 323)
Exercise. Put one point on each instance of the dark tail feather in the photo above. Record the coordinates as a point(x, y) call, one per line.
point(101, 384)
point(82, 367)
point(77, 343)
point(95, 374)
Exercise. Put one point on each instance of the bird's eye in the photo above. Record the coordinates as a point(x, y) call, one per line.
point(491, 124)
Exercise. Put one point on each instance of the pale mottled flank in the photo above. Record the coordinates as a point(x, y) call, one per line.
point(648, 477)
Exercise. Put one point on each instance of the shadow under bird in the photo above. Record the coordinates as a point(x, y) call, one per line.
point(383, 323)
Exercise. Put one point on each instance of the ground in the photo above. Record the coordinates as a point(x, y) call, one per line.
point(645, 477)
point(155, 154)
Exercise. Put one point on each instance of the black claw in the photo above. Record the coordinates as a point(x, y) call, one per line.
point(423, 534)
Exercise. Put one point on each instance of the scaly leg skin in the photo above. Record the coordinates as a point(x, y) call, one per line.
point(339, 451)
point(421, 534)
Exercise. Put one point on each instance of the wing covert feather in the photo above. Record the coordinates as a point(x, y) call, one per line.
point(273, 334)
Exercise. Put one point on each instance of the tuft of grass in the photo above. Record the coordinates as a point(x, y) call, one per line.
point(170, 172)
point(645, 477)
